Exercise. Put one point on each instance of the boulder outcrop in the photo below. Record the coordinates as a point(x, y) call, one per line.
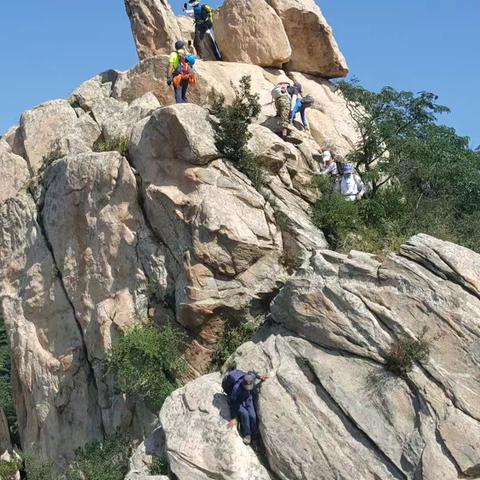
point(330, 408)
point(250, 31)
point(314, 49)
point(154, 26)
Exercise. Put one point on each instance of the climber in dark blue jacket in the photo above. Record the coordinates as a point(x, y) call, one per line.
point(203, 17)
point(300, 106)
point(242, 407)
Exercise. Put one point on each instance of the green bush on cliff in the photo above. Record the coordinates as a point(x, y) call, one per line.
point(429, 181)
point(231, 128)
point(107, 460)
point(147, 362)
point(6, 398)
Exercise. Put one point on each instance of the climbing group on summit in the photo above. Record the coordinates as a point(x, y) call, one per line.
point(288, 97)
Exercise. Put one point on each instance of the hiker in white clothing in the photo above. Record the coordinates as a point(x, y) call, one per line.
point(351, 185)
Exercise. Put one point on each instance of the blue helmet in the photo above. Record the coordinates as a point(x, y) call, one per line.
point(190, 59)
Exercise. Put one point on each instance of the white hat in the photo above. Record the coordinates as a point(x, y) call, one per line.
point(326, 156)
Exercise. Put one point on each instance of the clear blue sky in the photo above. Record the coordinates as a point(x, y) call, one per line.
point(49, 47)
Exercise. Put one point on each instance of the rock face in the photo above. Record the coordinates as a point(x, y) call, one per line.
point(250, 31)
point(201, 446)
point(314, 49)
point(154, 26)
point(85, 236)
point(330, 409)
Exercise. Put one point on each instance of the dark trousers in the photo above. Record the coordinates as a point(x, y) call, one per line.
point(248, 421)
point(181, 92)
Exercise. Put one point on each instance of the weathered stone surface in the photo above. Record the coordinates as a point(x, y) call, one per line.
point(314, 49)
point(140, 462)
point(154, 26)
point(93, 90)
point(183, 132)
point(187, 28)
point(330, 409)
point(96, 229)
point(200, 446)
point(42, 127)
point(250, 31)
point(218, 228)
point(14, 173)
point(54, 391)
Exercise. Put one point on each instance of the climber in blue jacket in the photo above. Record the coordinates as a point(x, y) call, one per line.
point(242, 407)
point(300, 106)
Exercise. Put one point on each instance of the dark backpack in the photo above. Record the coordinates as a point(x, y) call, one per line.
point(230, 379)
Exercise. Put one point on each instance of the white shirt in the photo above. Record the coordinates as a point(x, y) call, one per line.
point(330, 170)
point(351, 186)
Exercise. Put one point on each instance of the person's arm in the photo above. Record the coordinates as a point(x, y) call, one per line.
point(189, 12)
point(329, 170)
point(169, 73)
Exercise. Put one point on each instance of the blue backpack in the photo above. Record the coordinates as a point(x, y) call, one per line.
point(230, 379)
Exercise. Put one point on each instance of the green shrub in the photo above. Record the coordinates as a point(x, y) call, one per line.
point(38, 470)
point(6, 398)
point(118, 144)
point(231, 128)
point(159, 466)
point(406, 351)
point(236, 333)
point(147, 362)
point(8, 469)
point(107, 460)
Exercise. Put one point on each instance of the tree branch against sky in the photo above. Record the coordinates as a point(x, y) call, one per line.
point(51, 47)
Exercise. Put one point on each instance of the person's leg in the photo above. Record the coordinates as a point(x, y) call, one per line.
point(252, 418)
point(197, 42)
point(283, 110)
point(184, 90)
point(216, 50)
point(178, 94)
point(244, 418)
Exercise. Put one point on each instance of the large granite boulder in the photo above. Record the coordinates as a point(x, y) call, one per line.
point(250, 31)
point(154, 26)
point(330, 408)
point(14, 173)
point(201, 446)
point(314, 49)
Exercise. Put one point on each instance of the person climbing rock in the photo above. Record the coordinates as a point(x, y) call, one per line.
point(239, 387)
point(204, 34)
point(180, 71)
point(351, 185)
point(300, 106)
point(329, 165)
point(285, 97)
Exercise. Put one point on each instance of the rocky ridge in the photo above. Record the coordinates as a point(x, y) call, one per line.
point(86, 236)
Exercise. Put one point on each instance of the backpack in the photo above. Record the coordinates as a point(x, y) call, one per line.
point(279, 90)
point(230, 379)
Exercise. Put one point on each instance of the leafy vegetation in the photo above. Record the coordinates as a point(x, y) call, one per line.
point(107, 460)
point(236, 332)
point(118, 144)
point(148, 363)
point(231, 128)
point(37, 470)
point(420, 176)
point(159, 466)
point(8, 468)
point(6, 398)
point(407, 351)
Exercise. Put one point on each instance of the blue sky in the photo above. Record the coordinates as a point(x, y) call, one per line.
point(49, 47)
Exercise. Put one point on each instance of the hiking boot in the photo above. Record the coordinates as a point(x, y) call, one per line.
point(247, 440)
